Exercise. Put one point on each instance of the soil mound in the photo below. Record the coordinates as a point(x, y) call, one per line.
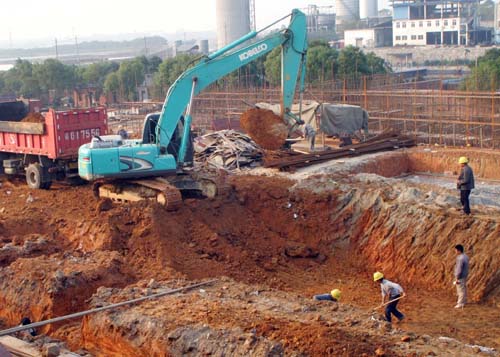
point(265, 128)
point(33, 118)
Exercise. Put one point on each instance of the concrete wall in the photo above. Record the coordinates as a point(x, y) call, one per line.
point(360, 38)
point(419, 54)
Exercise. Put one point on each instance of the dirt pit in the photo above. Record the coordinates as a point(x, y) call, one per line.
point(273, 243)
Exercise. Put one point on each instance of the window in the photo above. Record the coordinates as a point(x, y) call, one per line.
point(446, 22)
point(437, 22)
point(412, 24)
point(420, 24)
point(454, 22)
point(398, 25)
point(429, 23)
point(404, 38)
point(420, 37)
point(398, 38)
point(404, 25)
point(413, 37)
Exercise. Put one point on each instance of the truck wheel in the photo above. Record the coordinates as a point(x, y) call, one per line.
point(35, 177)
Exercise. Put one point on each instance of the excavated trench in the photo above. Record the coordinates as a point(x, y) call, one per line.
point(289, 236)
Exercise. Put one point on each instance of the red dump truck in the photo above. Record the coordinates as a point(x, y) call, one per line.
point(45, 148)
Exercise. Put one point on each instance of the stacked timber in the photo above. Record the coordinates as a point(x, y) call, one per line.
point(227, 149)
point(389, 140)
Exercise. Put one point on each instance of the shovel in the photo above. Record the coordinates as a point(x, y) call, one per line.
point(388, 302)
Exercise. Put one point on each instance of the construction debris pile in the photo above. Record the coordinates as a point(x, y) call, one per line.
point(388, 140)
point(227, 149)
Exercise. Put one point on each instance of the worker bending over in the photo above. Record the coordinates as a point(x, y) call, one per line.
point(393, 292)
point(334, 295)
point(310, 135)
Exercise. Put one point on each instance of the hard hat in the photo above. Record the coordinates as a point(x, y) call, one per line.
point(377, 276)
point(463, 160)
point(335, 293)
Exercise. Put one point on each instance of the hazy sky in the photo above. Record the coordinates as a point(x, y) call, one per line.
point(63, 19)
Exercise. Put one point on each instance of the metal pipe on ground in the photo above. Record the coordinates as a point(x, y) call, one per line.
point(99, 309)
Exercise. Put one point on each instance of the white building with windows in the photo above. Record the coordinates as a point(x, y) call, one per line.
point(437, 22)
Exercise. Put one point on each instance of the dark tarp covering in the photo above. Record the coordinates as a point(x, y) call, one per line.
point(343, 119)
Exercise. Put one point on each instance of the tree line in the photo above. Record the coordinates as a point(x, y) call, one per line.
point(120, 80)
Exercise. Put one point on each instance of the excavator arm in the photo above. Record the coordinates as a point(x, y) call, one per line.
point(161, 154)
point(293, 42)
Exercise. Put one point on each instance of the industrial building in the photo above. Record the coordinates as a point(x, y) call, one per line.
point(377, 36)
point(233, 20)
point(321, 22)
point(347, 10)
point(496, 24)
point(437, 22)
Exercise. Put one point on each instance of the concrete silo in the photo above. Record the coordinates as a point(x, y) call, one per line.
point(204, 47)
point(347, 10)
point(233, 20)
point(368, 9)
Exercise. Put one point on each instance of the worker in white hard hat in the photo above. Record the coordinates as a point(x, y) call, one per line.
point(465, 183)
point(333, 295)
point(391, 292)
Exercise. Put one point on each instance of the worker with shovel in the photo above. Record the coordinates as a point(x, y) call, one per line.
point(393, 292)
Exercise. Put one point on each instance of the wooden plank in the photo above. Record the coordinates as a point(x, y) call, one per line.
point(22, 128)
point(18, 347)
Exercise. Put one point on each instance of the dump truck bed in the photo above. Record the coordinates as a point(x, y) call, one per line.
point(58, 137)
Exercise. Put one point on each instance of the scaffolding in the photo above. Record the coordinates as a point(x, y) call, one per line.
point(423, 109)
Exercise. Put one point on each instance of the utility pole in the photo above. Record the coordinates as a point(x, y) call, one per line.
point(145, 47)
point(10, 39)
point(57, 52)
point(77, 51)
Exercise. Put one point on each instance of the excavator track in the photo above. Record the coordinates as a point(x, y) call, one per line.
point(157, 189)
point(167, 195)
point(166, 191)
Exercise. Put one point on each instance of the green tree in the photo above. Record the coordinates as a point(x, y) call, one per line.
point(54, 75)
point(131, 75)
point(376, 64)
point(112, 85)
point(485, 75)
point(272, 66)
point(20, 80)
point(321, 62)
point(352, 63)
point(168, 71)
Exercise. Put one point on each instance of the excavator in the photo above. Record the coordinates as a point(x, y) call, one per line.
point(160, 164)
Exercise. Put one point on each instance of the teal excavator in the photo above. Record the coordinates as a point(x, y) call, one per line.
point(159, 165)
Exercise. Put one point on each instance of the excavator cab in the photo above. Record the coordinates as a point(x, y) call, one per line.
point(149, 136)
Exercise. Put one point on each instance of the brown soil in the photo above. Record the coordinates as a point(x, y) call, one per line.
point(33, 118)
point(274, 243)
point(266, 128)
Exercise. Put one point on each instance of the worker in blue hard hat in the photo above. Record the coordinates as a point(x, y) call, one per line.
point(333, 295)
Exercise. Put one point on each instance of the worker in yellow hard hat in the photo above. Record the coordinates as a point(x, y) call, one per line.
point(465, 183)
point(391, 292)
point(334, 295)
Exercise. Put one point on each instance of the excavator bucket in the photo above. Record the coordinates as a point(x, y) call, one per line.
point(266, 128)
